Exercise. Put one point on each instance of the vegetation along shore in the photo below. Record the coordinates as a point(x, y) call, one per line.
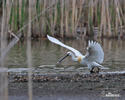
point(65, 18)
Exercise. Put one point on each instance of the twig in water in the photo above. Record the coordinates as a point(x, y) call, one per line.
point(10, 45)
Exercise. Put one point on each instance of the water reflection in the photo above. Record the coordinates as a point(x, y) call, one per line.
point(47, 53)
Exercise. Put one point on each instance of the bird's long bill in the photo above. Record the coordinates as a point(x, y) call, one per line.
point(61, 59)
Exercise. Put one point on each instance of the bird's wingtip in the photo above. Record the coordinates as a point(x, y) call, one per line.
point(48, 36)
point(91, 42)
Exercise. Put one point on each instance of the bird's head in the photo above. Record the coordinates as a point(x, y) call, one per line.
point(67, 54)
point(74, 58)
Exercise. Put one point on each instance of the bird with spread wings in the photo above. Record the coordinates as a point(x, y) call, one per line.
point(93, 57)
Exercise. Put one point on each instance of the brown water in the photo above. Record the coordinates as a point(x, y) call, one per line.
point(45, 55)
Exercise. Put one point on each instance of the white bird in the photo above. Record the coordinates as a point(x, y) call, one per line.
point(93, 58)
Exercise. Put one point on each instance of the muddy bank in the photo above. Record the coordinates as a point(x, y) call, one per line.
point(65, 86)
point(63, 91)
point(74, 83)
point(83, 80)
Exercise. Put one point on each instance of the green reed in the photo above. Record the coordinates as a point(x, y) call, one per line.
point(63, 17)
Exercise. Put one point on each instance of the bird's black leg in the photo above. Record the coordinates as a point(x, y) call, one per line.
point(95, 70)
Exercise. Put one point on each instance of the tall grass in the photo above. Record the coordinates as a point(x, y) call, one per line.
point(64, 17)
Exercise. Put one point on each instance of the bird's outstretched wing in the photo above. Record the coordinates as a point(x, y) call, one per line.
point(94, 52)
point(54, 40)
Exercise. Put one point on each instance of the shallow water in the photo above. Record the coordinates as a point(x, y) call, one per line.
point(45, 55)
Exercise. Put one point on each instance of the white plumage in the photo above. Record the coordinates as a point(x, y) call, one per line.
point(54, 40)
point(93, 58)
point(94, 52)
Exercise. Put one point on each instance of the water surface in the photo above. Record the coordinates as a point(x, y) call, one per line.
point(45, 55)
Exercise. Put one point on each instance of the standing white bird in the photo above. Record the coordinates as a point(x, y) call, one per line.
point(93, 58)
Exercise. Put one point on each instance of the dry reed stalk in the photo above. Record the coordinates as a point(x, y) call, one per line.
point(3, 32)
point(15, 15)
point(124, 9)
point(118, 19)
point(66, 17)
point(29, 56)
point(3, 70)
point(103, 20)
point(73, 16)
point(66, 22)
point(62, 12)
point(51, 17)
point(20, 6)
point(94, 13)
point(43, 19)
point(116, 24)
point(108, 19)
point(90, 16)
point(8, 12)
point(92, 8)
point(12, 22)
point(96, 6)
point(80, 6)
point(34, 24)
point(51, 21)
point(39, 21)
point(79, 13)
point(118, 13)
point(75, 19)
point(55, 17)
point(40, 18)
point(9, 6)
point(120, 10)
